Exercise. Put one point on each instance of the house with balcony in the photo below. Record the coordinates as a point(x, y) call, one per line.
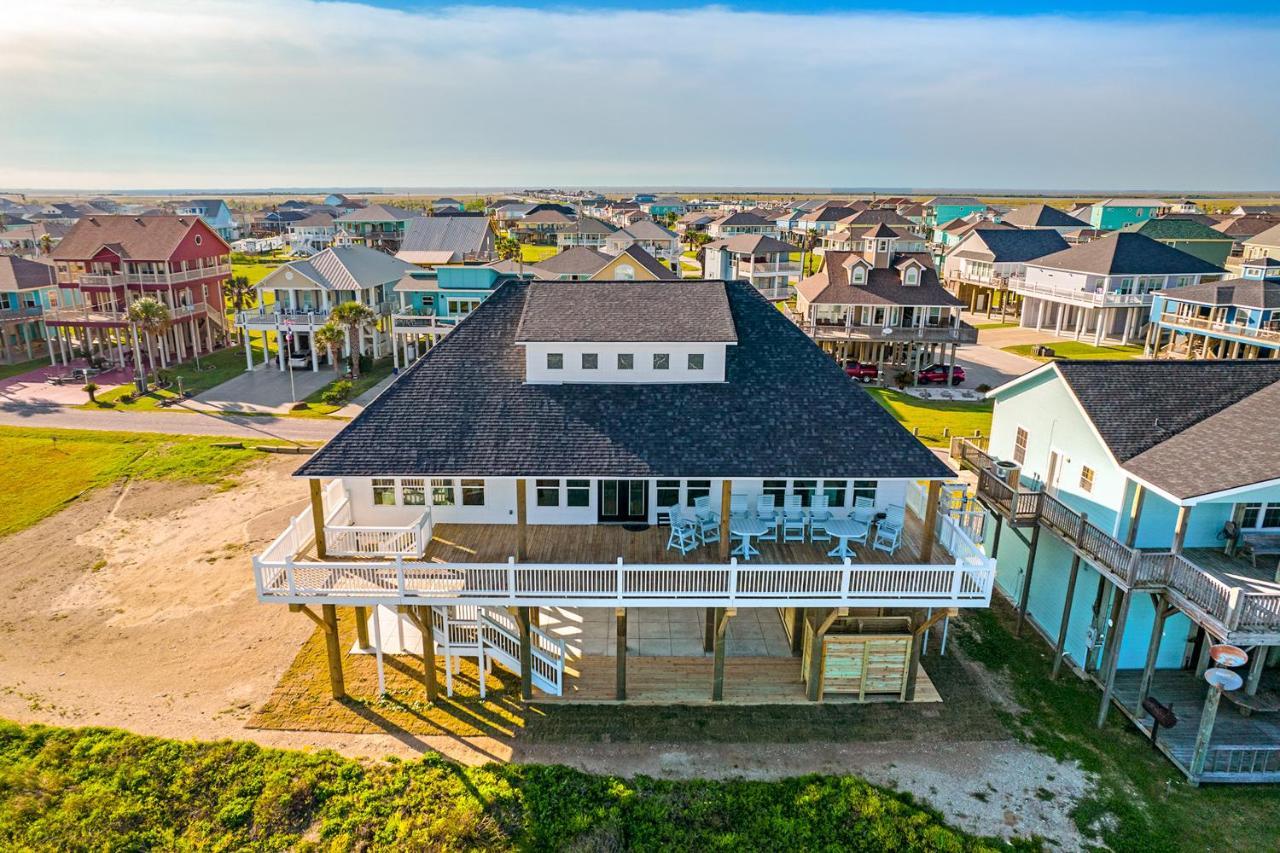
point(215, 213)
point(880, 305)
point(1043, 216)
point(27, 288)
point(313, 234)
point(1230, 318)
point(541, 227)
point(1187, 235)
point(762, 261)
point(1111, 214)
point(429, 304)
point(584, 231)
point(949, 234)
point(1264, 244)
point(1103, 289)
point(849, 230)
point(306, 291)
point(1136, 525)
point(436, 240)
point(583, 264)
point(446, 204)
point(648, 235)
point(575, 455)
point(110, 261)
point(743, 222)
point(945, 208)
point(980, 268)
point(377, 226)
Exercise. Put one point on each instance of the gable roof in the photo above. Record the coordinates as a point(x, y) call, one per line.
point(139, 238)
point(752, 244)
point(951, 200)
point(646, 229)
point(578, 260)
point(1126, 253)
point(745, 217)
point(1269, 238)
point(1242, 292)
point(626, 312)
point(465, 409)
point(1042, 216)
point(459, 235)
point(1013, 246)
point(1131, 202)
point(588, 225)
point(1175, 229)
point(830, 285)
point(25, 274)
point(378, 213)
point(656, 268)
point(346, 268)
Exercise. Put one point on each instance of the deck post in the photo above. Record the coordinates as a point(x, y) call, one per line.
point(726, 499)
point(717, 671)
point(1256, 663)
point(329, 615)
point(526, 654)
point(1208, 715)
point(995, 539)
point(930, 521)
point(1026, 577)
point(1119, 613)
point(709, 631)
point(1153, 649)
point(317, 517)
point(797, 631)
point(620, 614)
point(362, 627)
point(917, 648)
point(1135, 514)
point(522, 513)
point(426, 626)
point(1180, 529)
point(820, 626)
point(1060, 649)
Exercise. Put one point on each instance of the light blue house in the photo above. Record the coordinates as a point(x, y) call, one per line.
point(944, 208)
point(1112, 213)
point(1235, 318)
point(27, 288)
point(214, 212)
point(431, 302)
point(1139, 525)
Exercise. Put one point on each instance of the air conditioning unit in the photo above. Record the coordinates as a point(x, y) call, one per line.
point(1005, 470)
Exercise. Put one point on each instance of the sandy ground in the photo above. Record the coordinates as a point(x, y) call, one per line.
point(135, 607)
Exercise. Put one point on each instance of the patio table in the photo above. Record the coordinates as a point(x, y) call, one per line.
point(746, 527)
point(845, 529)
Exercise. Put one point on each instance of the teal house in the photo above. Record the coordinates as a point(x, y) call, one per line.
point(1235, 318)
point(944, 208)
point(1135, 525)
point(1187, 235)
point(1113, 213)
point(429, 303)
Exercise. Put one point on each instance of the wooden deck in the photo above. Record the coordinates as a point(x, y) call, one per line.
point(1186, 693)
point(605, 543)
point(1237, 571)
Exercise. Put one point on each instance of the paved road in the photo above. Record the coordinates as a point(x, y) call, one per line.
point(173, 423)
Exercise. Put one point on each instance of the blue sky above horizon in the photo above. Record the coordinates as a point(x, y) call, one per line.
point(237, 93)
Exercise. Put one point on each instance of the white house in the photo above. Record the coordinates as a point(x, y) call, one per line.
point(648, 235)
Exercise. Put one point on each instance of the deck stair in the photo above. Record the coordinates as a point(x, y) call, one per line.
point(491, 634)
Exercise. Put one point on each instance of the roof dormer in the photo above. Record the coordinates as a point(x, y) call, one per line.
point(878, 245)
point(859, 269)
point(912, 271)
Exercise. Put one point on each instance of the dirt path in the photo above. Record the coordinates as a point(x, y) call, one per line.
point(135, 607)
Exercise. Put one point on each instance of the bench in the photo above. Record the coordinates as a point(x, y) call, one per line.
point(1260, 544)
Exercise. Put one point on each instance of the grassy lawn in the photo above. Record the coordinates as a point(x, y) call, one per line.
point(981, 326)
point(45, 469)
point(533, 254)
point(214, 370)
point(7, 370)
point(931, 417)
point(316, 407)
point(101, 788)
point(1077, 350)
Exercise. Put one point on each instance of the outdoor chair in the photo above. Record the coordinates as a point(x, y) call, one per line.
point(793, 520)
point(738, 505)
point(819, 515)
point(706, 520)
point(683, 535)
point(889, 529)
point(767, 512)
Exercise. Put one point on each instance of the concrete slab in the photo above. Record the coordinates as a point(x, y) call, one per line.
point(986, 365)
point(266, 389)
point(32, 389)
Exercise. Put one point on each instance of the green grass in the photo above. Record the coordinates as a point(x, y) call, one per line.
point(931, 417)
point(214, 369)
point(533, 254)
point(981, 326)
point(1077, 350)
point(1139, 801)
point(316, 407)
point(45, 469)
point(7, 370)
point(107, 789)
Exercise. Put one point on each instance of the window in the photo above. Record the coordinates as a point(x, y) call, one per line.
point(1086, 478)
point(548, 492)
point(199, 240)
point(473, 492)
point(1020, 446)
point(805, 489)
point(696, 360)
point(668, 493)
point(555, 361)
point(461, 307)
point(384, 492)
point(577, 493)
point(697, 489)
point(912, 277)
point(661, 361)
point(442, 493)
point(777, 488)
point(865, 489)
point(626, 272)
point(859, 274)
point(1260, 515)
point(626, 361)
point(414, 492)
point(835, 490)
point(590, 361)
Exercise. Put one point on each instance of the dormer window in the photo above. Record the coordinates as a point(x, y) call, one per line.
point(590, 361)
point(912, 277)
point(858, 275)
point(883, 246)
point(626, 361)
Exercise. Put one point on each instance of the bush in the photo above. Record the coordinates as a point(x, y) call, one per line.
point(903, 379)
point(983, 388)
point(338, 392)
point(164, 377)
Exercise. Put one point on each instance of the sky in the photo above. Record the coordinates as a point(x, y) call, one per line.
point(1123, 95)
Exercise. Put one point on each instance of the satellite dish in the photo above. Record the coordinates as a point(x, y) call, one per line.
point(1228, 656)
point(1223, 679)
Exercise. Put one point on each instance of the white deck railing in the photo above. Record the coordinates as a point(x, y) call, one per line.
point(343, 538)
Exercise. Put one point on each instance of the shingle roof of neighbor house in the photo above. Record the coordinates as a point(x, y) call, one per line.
point(1042, 216)
point(24, 274)
point(378, 213)
point(1016, 246)
point(1269, 238)
point(588, 225)
point(830, 285)
point(145, 238)
point(752, 244)
point(578, 260)
point(1244, 292)
point(626, 313)
point(464, 409)
point(1126, 253)
point(1188, 427)
point(348, 268)
point(1175, 229)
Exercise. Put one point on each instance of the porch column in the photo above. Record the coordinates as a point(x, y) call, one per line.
point(1180, 529)
point(1163, 612)
point(797, 631)
point(522, 513)
point(917, 648)
point(1135, 513)
point(726, 500)
point(1060, 649)
point(709, 631)
point(317, 517)
point(48, 342)
point(620, 617)
point(1026, 579)
point(722, 616)
point(315, 357)
point(1119, 614)
point(426, 625)
point(280, 347)
point(362, 627)
point(930, 521)
point(526, 654)
point(1099, 324)
point(1208, 715)
point(1256, 663)
point(329, 615)
point(813, 688)
point(1040, 315)
point(395, 353)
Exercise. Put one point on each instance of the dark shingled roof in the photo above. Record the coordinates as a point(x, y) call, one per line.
point(1242, 292)
point(464, 409)
point(830, 285)
point(1042, 216)
point(1012, 247)
point(1126, 253)
point(626, 312)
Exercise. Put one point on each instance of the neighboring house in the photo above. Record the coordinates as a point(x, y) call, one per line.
point(760, 260)
point(850, 228)
point(378, 226)
point(1043, 216)
point(112, 260)
point(1184, 205)
point(276, 222)
point(949, 234)
point(535, 458)
point(342, 201)
point(1265, 244)
point(215, 213)
point(1233, 318)
point(430, 303)
point(447, 203)
point(1104, 288)
point(695, 220)
point(981, 267)
point(584, 231)
point(648, 235)
point(313, 234)
point(883, 306)
point(665, 206)
point(305, 292)
point(1242, 228)
point(585, 264)
point(745, 222)
point(540, 227)
point(31, 239)
point(27, 288)
point(438, 240)
point(1114, 213)
point(1256, 210)
point(1129, 493)
point(1188, 236)
point(945, 208)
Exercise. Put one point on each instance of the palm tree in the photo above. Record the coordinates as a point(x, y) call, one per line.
point(508, 248)
point(46, 244)
point(241, 295)
point(330, 337)
point(355, 317)
point(152, 317)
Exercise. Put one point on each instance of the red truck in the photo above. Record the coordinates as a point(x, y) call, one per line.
point(863, 372)
point(938, 373)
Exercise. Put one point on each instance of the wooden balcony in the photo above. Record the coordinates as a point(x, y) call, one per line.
point(1267, 336)
point(960, 333)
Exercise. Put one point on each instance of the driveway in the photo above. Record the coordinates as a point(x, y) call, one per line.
point(986, 365)
point(265, 390)
point(33, 389)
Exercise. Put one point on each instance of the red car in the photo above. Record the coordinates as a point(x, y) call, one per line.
point(863, 372)
point(938, 373)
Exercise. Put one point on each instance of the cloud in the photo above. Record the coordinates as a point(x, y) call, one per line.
point(238, 93)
